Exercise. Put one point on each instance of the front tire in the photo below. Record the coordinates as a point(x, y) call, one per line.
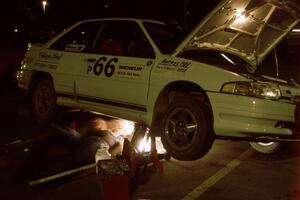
point(267, 147)
point(44, 102)
point(186, 133)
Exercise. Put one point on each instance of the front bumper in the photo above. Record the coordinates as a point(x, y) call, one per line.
point(242, 116)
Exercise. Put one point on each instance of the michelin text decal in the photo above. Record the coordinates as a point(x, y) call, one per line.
point(129, 71)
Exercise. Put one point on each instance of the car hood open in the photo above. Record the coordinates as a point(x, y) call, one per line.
point(247, 28)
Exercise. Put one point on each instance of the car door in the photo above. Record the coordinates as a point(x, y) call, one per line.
point(70, 50)
point(117, 74)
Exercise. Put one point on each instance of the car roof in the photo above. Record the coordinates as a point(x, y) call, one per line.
point(138, 20)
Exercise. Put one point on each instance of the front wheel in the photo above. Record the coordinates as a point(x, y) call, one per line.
point(44, 102)
point(186, 132)
point(267, 147)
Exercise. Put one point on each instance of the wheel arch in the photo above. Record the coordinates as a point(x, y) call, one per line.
point(166, 96)
point(35, 78)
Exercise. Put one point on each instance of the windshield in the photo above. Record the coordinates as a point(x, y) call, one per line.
point(219, 59)
point(165, 37)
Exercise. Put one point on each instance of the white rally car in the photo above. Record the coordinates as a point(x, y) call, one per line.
point(189, 93)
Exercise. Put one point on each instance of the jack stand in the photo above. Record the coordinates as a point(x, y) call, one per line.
point(130, 155)
point(154, 157)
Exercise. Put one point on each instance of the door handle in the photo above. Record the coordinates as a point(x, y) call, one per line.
point(90, 60)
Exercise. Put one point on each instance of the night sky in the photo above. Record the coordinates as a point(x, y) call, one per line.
point(28, 15)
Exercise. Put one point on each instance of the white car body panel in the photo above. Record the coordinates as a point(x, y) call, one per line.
point(132, 89)
point(249, 116)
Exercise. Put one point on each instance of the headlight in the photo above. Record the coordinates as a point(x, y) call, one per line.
point(253, 89)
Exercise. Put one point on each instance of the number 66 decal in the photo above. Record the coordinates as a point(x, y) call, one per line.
point(101, 64)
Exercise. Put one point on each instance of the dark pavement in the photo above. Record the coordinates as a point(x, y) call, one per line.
point(230, 171)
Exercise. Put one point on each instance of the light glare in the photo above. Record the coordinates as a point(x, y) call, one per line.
point(271, 94)
point(145, 144)
point(44, 3)
point(266, 143)
point(228, 59)
point(128, 127)
point(240, 16)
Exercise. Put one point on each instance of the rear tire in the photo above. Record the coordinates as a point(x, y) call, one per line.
point(267, 147)
point(44, 102)
point(185, 131)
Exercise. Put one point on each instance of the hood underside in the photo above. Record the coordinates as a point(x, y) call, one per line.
point(247, 28)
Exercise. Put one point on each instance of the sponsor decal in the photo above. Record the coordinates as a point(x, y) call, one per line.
point(108, 68)
point(50, 56)
point(102, 66)
point(46, 65)
point(129, 71)
point(174, 66)
point(46, 60)
point(74, 47)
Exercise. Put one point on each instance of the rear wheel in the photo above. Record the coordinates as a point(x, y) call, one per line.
point(186, 133)
point(267, 147)
point(44, 102)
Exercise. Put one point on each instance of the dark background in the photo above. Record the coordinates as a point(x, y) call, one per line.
point(28, 15)
point(24, 21)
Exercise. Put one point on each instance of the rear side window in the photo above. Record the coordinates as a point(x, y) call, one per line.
point(79, 39)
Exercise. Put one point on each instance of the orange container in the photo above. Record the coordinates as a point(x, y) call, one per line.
point(115, 187)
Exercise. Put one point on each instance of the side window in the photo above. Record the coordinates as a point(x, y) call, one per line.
point(122, 38)
point(79, 39)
